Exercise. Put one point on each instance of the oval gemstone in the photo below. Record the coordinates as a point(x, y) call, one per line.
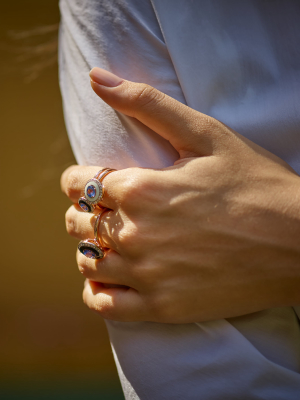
point(91, 191)
point(84, 206)
point(90, 253)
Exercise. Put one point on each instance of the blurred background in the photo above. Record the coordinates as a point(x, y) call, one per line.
point(51, 345)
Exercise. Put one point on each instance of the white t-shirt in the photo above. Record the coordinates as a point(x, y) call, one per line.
point(239, 62)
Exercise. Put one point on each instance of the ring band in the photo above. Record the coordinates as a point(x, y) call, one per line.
point(93, 248)
point(103, 173)
point(84, 204)
point(94, 191)
point(96, 228)
point(98, 174)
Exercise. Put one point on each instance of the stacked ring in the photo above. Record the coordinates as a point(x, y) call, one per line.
point(94, 191)
point(96, 227)
point(93, 248)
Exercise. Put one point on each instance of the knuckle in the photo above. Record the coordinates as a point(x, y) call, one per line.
point(64, 176)
point(145, 95)
point(72, 184)
point(84, 268)
point(208, 123)
point(148, 273)
point(102, 307)
point(70, 222)
point(87, 266)
point(130, 188)
point(128, 238)
point(137, 187)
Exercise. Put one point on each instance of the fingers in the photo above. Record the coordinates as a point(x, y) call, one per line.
point(81, 226)
point(190, 132)
point(74, 179)
point(120, 187)
point(111, 269)
point(119, 304)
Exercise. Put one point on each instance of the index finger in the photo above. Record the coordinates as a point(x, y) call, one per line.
point(74, 179)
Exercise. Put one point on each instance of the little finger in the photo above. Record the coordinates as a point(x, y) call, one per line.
point(118, 304)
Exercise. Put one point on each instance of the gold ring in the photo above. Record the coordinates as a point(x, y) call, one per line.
point(96, 228)
point(94, 191)
point(93, 248)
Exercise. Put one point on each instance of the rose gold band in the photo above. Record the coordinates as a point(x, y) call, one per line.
point(100, 172)
point(96, 227)
point(103, 174)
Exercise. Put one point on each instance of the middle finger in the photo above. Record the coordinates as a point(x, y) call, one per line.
point(81, 226)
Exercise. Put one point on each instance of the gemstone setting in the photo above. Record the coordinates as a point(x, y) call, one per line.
point(91, 249)
point(93, 191)
point(85, 205)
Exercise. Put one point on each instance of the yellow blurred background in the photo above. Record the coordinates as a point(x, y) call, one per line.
point(52, 346)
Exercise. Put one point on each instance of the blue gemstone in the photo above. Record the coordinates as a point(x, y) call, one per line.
point(84, 207)
point(89, 253)
point(91, 191)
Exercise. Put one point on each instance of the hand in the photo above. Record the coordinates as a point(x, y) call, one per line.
point(214, 236)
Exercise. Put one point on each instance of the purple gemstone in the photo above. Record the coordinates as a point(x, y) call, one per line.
point(91, 191)
point(89, 253)
point(84, 206)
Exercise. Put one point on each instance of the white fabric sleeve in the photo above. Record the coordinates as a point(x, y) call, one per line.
point(123, 37)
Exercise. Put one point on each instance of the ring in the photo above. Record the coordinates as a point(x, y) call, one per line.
point(93, 248)
point(96, 227)
point(84, 204)
point(90, 248)
point(94, 190)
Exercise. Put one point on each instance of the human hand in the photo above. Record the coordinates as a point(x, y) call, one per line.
point(214, 236)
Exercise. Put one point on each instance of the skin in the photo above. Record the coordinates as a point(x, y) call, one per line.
point(214, 236)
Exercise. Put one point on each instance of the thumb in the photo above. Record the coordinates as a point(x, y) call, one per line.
point(190, 132)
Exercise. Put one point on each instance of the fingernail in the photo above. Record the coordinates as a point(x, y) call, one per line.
point(105, 78)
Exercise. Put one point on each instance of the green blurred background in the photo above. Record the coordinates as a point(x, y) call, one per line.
point(52, 346)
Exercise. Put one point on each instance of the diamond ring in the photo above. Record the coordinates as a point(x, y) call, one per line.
point(93, 248)
point(94, 190)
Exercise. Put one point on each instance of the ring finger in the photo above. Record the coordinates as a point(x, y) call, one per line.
point(112, 269)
